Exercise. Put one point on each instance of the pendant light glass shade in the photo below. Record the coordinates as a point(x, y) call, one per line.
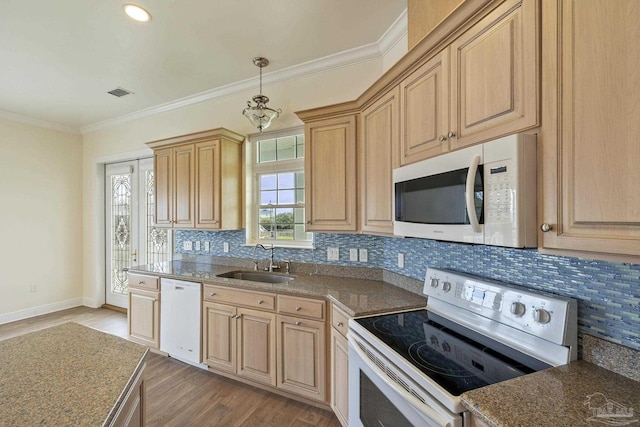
point(259, 114)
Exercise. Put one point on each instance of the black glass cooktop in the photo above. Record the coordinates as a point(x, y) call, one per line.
point(455, 357)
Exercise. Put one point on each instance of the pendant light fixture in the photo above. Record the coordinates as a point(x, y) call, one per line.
point(259, 114)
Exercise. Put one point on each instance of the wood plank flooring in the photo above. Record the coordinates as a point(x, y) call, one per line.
point(182, 395)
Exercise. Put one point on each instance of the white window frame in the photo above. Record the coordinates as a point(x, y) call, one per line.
point(254, 169)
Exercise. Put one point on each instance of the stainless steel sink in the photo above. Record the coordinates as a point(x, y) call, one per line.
point(256, 276)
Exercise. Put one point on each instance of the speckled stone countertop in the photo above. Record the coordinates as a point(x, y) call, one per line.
point(577, 394)
point(357, 297)
point(66, 375)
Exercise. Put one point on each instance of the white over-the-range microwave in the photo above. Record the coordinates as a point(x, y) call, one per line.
point(484, 194)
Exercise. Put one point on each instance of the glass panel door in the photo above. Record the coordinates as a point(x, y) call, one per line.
point(131, 238)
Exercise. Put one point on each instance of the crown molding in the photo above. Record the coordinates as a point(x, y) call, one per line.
point(14, 117)
point(394, 33)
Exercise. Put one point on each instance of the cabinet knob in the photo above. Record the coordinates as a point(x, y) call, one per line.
point(298, 309)
point(308, 222)
point(451, 134)
point(545, 227)
point(442, 138)
point(298, 323)
point(213, 294)
point(215, 221)
point(141, 282)
point(261, 301)
point(340, 324)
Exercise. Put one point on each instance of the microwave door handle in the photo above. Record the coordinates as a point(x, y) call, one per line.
point(469, 191)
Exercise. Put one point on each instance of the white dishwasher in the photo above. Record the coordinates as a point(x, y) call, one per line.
point(180, 320)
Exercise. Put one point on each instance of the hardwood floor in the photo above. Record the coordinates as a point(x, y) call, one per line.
point(182, 395)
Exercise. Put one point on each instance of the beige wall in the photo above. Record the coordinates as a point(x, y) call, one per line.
point(40, 220)
point(126, 141)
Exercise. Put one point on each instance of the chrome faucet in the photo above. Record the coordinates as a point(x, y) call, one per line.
point(272, 264)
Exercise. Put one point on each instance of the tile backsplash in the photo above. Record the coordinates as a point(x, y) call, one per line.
point(608, 293)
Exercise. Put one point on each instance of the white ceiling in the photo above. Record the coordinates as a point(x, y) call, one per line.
point(59, 58)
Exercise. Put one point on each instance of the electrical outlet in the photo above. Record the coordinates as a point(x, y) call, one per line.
point(333, 254)
point(206, 246)
point(353, 255)
point(400, 260)
point(187, 245)
point(225, 247)
point(363, 255)
point(34, 288)
point(198, 245)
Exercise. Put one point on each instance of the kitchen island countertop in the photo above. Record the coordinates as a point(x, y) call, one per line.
point(66, 375)
point(357, 297)
point(577, 394)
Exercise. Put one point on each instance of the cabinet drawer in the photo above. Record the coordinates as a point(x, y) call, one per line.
point(142, 281)
point(260, 300)
point(339, 320)
point(304, 307)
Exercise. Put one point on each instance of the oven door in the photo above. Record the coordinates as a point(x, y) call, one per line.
point(376, 400)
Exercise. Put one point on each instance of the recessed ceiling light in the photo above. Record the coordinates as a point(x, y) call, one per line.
point(136, 12)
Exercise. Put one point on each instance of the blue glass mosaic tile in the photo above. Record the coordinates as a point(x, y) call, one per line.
point(608, 293)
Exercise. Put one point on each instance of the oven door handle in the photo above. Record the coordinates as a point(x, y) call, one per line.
point(469, 192)
point(430, 413)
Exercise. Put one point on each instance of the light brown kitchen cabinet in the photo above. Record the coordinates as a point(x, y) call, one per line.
point(482, 86)
point(174, 186)
point(478, 422)
point(143, 314)
point(589, 139)
point(301, 356)
point(240, 341)
point(237, 338)
point(494, 75)
point(330, 174)
point(377, 156)
point(198, 180)
point(339, 365)
point(424, 110)
point(132, 410)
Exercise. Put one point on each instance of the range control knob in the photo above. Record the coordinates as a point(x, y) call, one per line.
point(446, 347)
point(446, 286)
point(542, 316)
point(433, 339)
point(518, 309)
point(434, 282)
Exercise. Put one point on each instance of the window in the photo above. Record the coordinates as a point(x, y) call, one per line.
point(277, 209)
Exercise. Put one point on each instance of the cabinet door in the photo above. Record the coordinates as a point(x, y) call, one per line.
point(143, 317)
point(301, 357)
point(183, 188)
point(257, 346)
point(424, 111)
point(330, 174)
point(219, 336)
point(591, 81)
point(163, 186)
point(494, 71)
point(208, 188)
point(378, 155)
point(339, 376)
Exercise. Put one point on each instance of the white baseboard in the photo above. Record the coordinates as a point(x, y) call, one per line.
point(37, 311)
point(91, 302)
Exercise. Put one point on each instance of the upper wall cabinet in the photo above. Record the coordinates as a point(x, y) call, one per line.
point(482, 86)
point(198, 180)
point(591, 105)
point(377, 156)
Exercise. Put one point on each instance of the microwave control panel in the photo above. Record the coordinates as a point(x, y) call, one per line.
point(500, 191)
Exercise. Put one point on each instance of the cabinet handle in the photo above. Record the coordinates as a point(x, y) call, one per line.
point(261, 301)
point(545, 227)
point(141, 282)
point(442, 138)
point(298, 308)
point(215, 221)
point(308, 222)
point(213, 294)
point(298, 323)
point(340, 324)
point(451, 134)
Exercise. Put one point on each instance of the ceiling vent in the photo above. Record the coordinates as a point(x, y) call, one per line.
point(119, 92)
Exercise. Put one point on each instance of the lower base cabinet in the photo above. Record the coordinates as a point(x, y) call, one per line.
point(144, 317)
point(340, 376)
point(132, 411)
point(240, 341)
point(301, 356)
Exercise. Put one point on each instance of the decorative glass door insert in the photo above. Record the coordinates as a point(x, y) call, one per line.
point(131, 238)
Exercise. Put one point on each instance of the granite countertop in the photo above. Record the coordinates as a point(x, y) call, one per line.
point(66, 375)
point(577, 394)
point(357, 297)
